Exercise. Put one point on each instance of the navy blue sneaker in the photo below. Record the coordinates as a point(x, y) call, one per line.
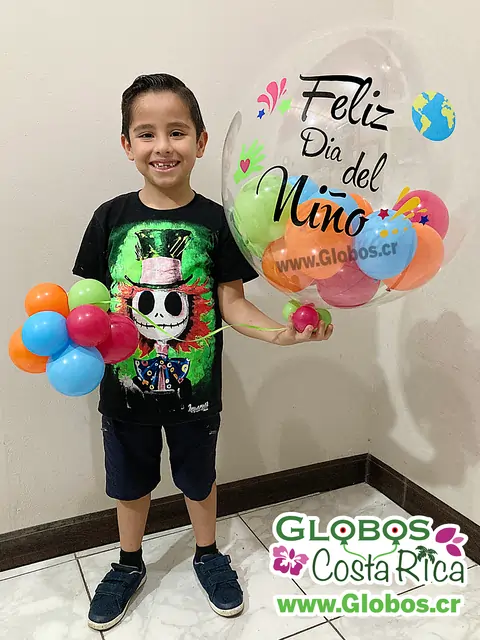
point(220, 583)
point(113, 594)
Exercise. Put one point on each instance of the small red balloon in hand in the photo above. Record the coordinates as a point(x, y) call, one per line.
point(305, 316)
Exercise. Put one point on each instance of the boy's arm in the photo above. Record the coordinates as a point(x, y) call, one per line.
point(235, 310)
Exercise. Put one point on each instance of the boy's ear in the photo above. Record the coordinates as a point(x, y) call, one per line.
point(127, 147)
point(201, 144)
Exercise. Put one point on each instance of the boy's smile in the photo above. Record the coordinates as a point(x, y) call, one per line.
point(164, 165)
point(163, 143)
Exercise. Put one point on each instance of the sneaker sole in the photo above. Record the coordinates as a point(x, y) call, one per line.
point(104, 626)
point(225, 613)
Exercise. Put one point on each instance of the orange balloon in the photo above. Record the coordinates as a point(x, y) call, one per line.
point(47, 297)
point(23, 358)
point(281, 271)
point(319, 254)
point(362, 203)
point(426, 262)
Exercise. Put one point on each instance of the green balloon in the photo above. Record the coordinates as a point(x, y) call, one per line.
point(290, 308)
point(256, 250)
point(254, 212)
point(89, 292)
point(325, 315)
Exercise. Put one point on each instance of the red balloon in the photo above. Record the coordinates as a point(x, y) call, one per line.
point(348, 288)
point(88, 325)
point(122, 341)
point(432, 210)
point(305, 316)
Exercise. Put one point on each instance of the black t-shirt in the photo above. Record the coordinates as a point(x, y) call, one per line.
point(163, 266)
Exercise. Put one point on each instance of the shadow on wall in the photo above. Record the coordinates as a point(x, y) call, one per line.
point(316, 402)
point(440, 369)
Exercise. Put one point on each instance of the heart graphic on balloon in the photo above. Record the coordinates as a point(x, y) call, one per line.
point(244, 164)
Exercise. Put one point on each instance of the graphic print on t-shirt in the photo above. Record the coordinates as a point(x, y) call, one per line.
point(160, 273)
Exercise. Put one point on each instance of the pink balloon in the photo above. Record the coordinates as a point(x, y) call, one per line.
point(305, 316)
point(122, 341)
point(347, 288)
point(436, 214)
point(88, 325)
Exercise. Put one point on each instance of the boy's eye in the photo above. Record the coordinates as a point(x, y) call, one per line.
point(146, 135)
point(177, 133)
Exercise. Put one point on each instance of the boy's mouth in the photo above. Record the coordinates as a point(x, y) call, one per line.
point(164, 166)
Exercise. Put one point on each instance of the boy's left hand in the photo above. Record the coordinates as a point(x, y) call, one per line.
point(290, 336)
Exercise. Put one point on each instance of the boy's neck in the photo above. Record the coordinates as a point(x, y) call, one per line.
point(154, 198)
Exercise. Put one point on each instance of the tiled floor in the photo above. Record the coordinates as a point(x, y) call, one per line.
point(50, 601)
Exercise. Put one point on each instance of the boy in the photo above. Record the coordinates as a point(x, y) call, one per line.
point(167, 255)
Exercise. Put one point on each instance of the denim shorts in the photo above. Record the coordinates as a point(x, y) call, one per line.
point(133, 455)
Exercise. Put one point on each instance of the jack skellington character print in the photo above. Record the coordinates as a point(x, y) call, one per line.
point(164, 284)
point(162, 312)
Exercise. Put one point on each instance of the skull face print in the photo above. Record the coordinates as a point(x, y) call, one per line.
point(168, 309)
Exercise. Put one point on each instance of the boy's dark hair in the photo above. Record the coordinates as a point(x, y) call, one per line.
point(159, 82)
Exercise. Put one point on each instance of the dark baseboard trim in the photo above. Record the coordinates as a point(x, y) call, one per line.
point(417, 501)
point(56, 539)
point(27, 546)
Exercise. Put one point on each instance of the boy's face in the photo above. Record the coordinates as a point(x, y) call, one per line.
point(163, 140)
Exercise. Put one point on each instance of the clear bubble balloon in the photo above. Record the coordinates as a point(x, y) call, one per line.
point(339, 169)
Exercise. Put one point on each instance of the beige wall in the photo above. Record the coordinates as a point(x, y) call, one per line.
point(63, 68)
point(429, 344)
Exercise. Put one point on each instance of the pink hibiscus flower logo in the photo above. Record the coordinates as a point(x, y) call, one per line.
point(288, 561)
point(450, 536)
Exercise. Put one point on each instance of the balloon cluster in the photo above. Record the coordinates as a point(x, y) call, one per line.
point(335, 245)
point(72, 336)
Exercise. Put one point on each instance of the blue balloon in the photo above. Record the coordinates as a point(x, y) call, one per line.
point(76, 371)
point(386, 245)
point(349, 204)
point(309, 191)
point(45, 333)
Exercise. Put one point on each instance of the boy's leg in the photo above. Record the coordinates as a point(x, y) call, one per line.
point(132, 461)
point(132, 519)
point(192, 458)
point(203, 515)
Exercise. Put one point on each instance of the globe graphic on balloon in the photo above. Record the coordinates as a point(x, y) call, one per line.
point(433, 116)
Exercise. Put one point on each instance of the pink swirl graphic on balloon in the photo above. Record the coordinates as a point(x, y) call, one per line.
point(274, 91)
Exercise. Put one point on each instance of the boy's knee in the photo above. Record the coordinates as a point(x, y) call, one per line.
point(198, 493)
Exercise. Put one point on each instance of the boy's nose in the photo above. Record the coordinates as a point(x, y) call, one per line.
point(163, 145)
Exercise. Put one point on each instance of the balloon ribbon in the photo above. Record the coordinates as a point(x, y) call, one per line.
point(201, 339)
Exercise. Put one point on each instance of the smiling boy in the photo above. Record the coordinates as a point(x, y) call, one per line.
point(167, 255)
